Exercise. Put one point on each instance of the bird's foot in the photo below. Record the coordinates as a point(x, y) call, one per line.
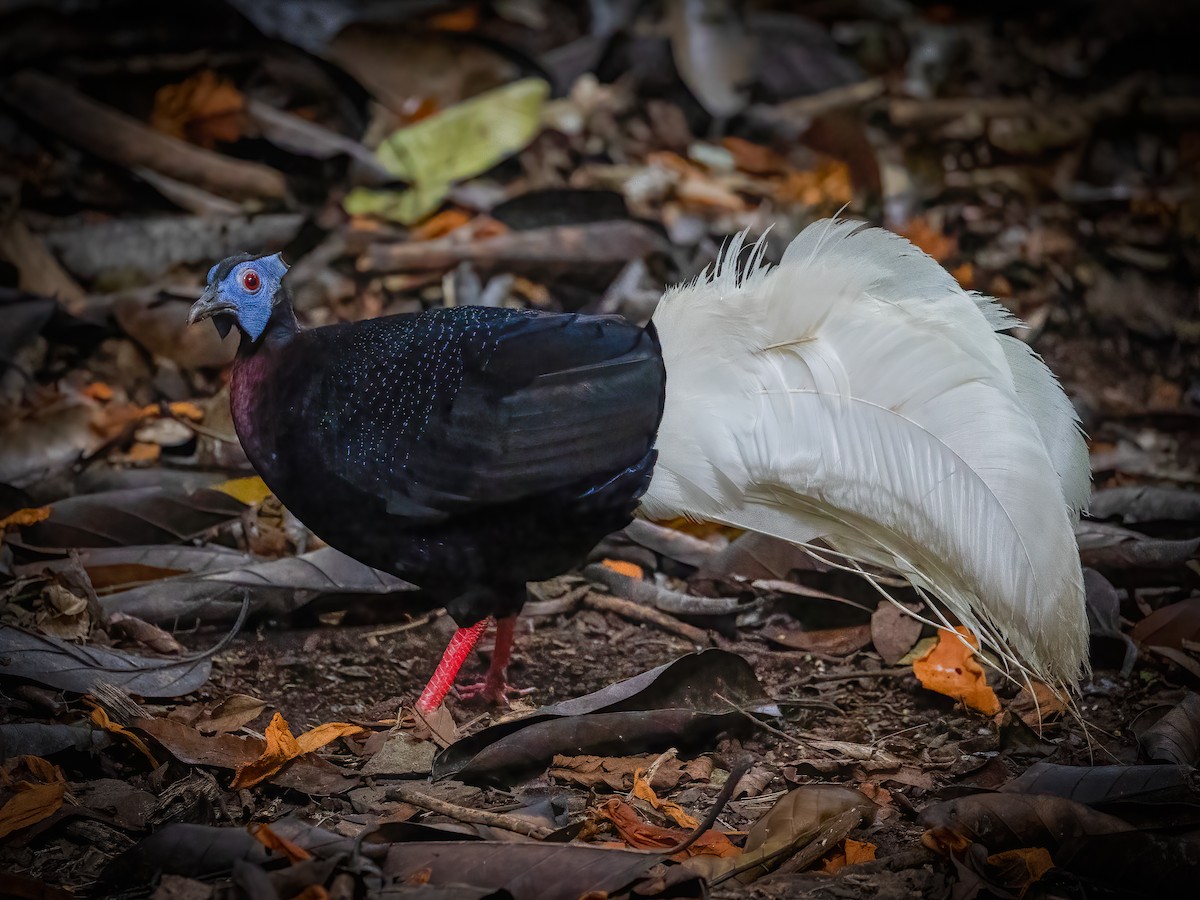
point(495, 692)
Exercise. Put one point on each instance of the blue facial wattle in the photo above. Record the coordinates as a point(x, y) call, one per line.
point(252, 287)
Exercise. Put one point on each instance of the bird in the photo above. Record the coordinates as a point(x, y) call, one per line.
point(852, 399)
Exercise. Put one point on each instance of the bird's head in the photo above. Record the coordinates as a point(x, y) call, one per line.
point(242, 290)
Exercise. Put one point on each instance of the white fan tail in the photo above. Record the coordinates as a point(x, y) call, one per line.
point(856, 393)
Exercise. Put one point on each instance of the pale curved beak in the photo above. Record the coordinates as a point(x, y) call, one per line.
point(209, 305)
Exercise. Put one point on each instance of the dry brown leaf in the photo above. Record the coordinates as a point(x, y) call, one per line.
point(282, 747)
point(672, 810)
point(832, 641)
point(893, 632)
point(950, 668)
point(32, 801)
point(231, 714)
point(616, 772)
point(702, 192)
point(879, 795)
point(98, 390)
point(644, 836)
point(27, 516)
point(754, 158)
point(112, 419)
point(149, 636)
point(849, 853)
point(100, 719)
point(1018, 869)
point(1170, 626)
point(63, 613)
point(204, 109)
point(1040, 706)
point(276, 843)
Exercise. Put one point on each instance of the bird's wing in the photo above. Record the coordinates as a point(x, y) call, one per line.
point(483, 407)
point(856, 393)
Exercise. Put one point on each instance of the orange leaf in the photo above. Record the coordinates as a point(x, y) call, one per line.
point(965, 275)
point(754, 158)
point(673, 811)
point(23, 517)
point(180, 409)
point(101, 719)
point(282, 747)
point(114, 418)
point(1018, 869)
point(938, 245)
point(849, 853)
point(829, 183)
point(98, 390)
point(262, 833)
point(951, 668)
point(43, 769)
point(633, 570)
point(142, 453)
point(203, 109)
point(33, 801)
point(464, 19)
point(30, 804)
point(703, 530)
point(644, 836)
point(440, 225)
point(313, 892)
point(318, 737)
point(667, 159)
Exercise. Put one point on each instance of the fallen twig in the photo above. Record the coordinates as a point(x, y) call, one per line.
point(406, 626)
point(122, 139)
point(790, 738)
point(681, 547)
point(646, 615)
point(517, 825)
point(800, 110)
point(664, 599)
point(297, 135)
point(818, 844)
point(736, 772)
point(826, 677)
point(597, 243)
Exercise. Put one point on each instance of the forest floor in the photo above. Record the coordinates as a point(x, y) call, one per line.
point(199, 699)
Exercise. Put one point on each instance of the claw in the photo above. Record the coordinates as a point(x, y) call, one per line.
point(488, 691)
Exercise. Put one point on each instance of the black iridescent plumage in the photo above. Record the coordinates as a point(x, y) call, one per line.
point(467, 450)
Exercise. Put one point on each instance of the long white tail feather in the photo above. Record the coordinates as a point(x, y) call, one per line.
point(1056, 419)
point(856, 393)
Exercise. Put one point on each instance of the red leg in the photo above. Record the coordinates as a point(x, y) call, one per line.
point(456, 654)
point(495, 688)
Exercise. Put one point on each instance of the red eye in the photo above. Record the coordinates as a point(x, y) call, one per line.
point(250, 280)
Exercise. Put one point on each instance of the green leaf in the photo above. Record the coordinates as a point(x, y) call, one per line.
point(460, 142)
